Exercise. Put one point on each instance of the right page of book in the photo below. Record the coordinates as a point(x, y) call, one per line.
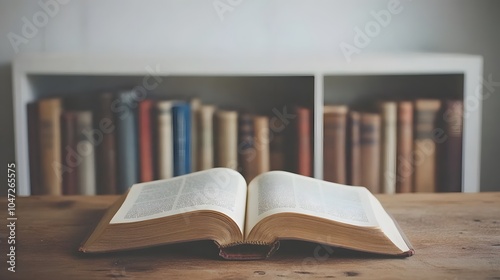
point(277, 192)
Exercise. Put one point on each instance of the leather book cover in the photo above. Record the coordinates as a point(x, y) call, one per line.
point(450, 151)
point(226, 139)
point(261, 142)
point(370, 151)
point(205, 154)
point(334, 143)
point(354, 149)
point(106, 151)
point(247, 251)
point(146, 141)
point(277, 144)
point(247, 154)
point(34, 148)
point(424, 148)
point(68, 150)
point(388, 110)
point(181, 117)
point(304, 145)
point(126, 141)
point(49, 117)
point(404, 158)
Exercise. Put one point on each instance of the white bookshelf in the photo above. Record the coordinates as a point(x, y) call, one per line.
point(267, 80)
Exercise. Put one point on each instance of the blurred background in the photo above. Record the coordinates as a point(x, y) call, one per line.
point(207, 28)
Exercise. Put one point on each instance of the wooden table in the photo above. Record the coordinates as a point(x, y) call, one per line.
point(456, 236)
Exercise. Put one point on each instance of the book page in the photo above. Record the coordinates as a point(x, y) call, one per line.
point(219, 189)
point(277, 192)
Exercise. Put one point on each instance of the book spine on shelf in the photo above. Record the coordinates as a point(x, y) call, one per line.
point(181, 116)
point(425, 145)
point(50, 145)
point(450, 150)
point(165, 140)
point(354, 149)
point(334, 143)
point(68, 151)
point(246, 146)
point(404, 158)
point(388, 112)
point(370, 151)
point(261, 141)
point(126, 136)
point(303, 136)
point(195, 128)
point(205, 154)
point(34, 148)
point(106, 152)
point(226, 135)
point(86, 167)
point(277, 144)
point(146, 141)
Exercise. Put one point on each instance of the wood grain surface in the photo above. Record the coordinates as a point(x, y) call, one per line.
point(456, 236)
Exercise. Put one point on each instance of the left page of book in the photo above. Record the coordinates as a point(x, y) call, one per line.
point(220, 189)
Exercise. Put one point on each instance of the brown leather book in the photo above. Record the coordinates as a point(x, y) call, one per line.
point(424, 148)
point(34, 148)
point(450, 150)
point(388, 111)
point(354, 149)
point(261, 142)
point(304, 146)
point(226, 139)
point(106, 151)
point(404, 159)
point(370, 151)
point(334, 143)
point(69, 153)
point(49, 114)
point(205, 154)
point(277, 145)
point(247, 154)
point(146, 141)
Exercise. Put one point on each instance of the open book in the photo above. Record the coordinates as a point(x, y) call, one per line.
point(247, 222)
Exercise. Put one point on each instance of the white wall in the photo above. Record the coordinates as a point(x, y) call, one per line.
point(253, 28)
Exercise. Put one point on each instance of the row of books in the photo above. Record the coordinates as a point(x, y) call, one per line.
point(105, 144)
point(405, 146)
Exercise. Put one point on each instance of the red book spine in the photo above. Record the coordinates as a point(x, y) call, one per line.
point(304, 166)
point(69, 146)
point(146, 141)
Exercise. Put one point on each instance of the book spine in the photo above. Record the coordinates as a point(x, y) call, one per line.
point(205, 153)
point(226, 134)
point(34, 148)
point(246, 147)
point(146, 141)
point(68, 152)
point(262, 157)
point(126, 134)
point(354, 149)
point(50, 145)
point(106, 152)
point(389, 136)
point(165, 140)
point(195, 128)
point(425, 145)
point(450, 175)
point(303, 136)
point(181, 116)
point(370, 151)
point(334, 145)
point(86, 168)
point(404, 158)
point(277, 144)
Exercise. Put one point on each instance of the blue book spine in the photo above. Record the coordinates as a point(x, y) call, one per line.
point(181, 117)
point(127, 140)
